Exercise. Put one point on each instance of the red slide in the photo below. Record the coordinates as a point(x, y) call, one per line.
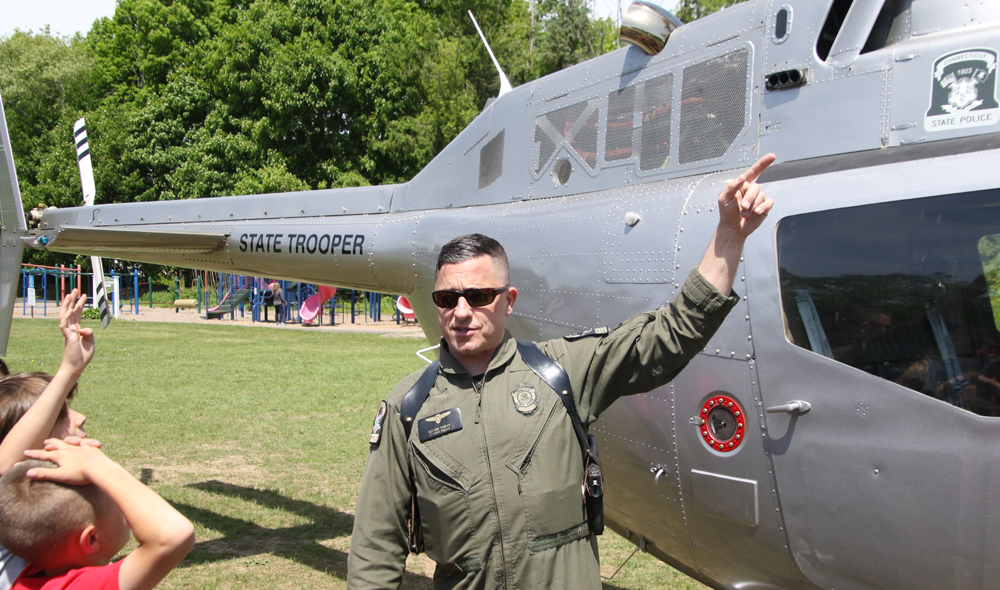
point(311, 306)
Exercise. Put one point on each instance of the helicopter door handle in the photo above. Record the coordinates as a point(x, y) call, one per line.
point(793, 407)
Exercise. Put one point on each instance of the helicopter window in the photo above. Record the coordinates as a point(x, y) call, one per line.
point(891, 26)
point(575, 125)
point(621, 113)
point(713, 106)
point(491, 160)
point(907, 291)
point(781, 21)
point(658, 94)
point(834, 20)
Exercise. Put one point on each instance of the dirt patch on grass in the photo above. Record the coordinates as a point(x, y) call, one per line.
point(387, 326)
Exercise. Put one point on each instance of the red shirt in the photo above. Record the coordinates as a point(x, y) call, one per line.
point(76, 579)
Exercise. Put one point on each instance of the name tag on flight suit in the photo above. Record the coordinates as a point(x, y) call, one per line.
point(440, 424)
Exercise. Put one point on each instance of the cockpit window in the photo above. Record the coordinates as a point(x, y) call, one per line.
point(831, 28)
point(989, 254)
point(907, 291)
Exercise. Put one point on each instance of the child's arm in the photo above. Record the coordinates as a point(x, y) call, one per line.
point(37, 423)
point(164, 535)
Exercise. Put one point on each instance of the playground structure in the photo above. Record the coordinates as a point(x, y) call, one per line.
point(74, 276)
point(403, 306)
point(217, 295)
point(307, 304)
point(313, 305)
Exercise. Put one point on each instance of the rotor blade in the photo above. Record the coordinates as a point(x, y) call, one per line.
point(89, 190)
point(100, 295)
point(83, 157)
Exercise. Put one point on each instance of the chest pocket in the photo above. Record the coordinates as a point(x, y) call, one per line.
point(443, 486)
point(549, 470)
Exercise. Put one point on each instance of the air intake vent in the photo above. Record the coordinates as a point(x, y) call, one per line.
point(621, 113)
point(713, 106)
point(657, 98)
point(575, 125)
point(491, 161)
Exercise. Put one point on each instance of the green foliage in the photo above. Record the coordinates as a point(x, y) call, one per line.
point(44, 83)
point(567, 35)
point(273, 178)
point(91, 313)
point(989, 255)
point(689, 10)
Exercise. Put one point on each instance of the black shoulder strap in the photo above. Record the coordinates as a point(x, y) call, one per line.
point(416, 396)
point(552, 373)
point(408, 409)
point(547, 370)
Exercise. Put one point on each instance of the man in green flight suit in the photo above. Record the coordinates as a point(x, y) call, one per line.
point(493, 456)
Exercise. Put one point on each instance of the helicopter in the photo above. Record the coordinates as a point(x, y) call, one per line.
point(840, 429)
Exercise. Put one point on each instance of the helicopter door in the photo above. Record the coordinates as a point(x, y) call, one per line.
point(729, 495)
point(888, 331)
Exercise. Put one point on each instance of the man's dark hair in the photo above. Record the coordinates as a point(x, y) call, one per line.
point(472, 246)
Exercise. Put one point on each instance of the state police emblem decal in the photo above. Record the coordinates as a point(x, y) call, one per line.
point(525, 399)
point(963, 91)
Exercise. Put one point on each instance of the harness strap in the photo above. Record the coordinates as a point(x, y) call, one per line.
point(555, 376)
point(416, 396)
point(408, 409)
point(547, 370)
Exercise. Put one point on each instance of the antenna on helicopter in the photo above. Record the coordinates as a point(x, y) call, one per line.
point(504, 82)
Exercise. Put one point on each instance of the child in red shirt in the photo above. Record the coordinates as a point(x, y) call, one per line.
point(71, 518)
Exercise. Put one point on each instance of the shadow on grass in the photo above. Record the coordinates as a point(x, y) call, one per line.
point(244, 538)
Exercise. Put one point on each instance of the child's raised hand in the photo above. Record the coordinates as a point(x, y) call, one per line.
point(74, 462)
point(78, 342)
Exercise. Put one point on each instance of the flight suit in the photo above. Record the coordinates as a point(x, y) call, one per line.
point(500, 499)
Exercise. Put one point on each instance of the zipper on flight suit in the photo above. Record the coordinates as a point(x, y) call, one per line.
point(478, 387)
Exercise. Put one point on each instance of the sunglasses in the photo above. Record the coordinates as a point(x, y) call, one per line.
point(474, 297)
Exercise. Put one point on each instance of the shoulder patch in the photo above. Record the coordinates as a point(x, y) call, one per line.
point(587, 333)
point(376, 435)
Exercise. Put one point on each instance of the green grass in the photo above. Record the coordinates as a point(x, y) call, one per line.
point(259, 437)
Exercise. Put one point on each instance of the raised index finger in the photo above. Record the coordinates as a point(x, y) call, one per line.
point(758, 167)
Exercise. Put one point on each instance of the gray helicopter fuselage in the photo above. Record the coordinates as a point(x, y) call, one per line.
point(861, 294)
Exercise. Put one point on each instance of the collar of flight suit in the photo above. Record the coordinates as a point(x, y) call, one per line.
point(501, 356)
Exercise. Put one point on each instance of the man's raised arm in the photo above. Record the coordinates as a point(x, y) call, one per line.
point(742, 208)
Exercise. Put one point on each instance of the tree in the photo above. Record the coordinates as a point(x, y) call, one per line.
point(689, 10)
point(44, 81)
point(566, 35)
point(198, 98)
